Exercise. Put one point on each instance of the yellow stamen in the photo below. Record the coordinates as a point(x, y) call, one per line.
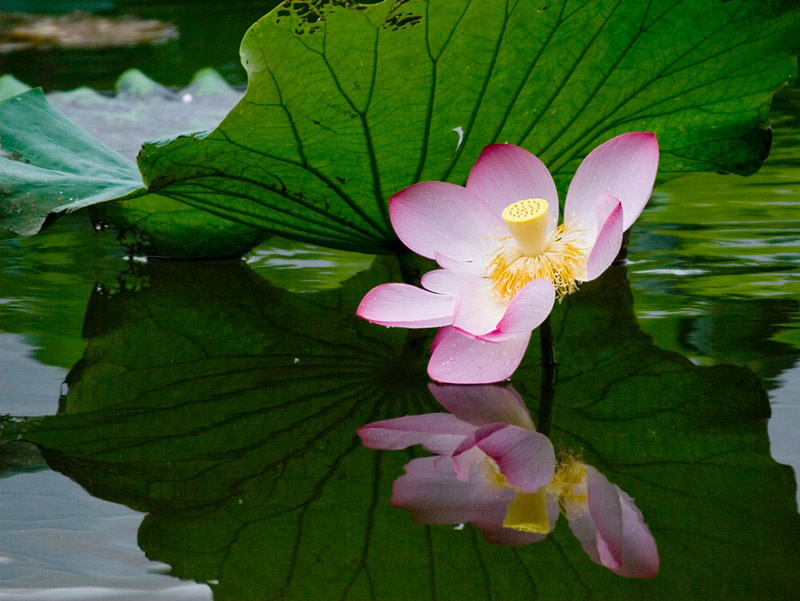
point(563, 262)
point(569, 483)
point(527, 222)
point(491, 472)
point(528, 512)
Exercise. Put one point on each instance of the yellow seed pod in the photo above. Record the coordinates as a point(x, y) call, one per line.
point(527, 222)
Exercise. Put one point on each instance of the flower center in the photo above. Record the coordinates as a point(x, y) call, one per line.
point(527, 222)
point(563, 262)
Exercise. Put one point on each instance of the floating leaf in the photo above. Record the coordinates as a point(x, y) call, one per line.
point(11, 86)
point(65, 170)
point(405, 91)
point(349, 103)
point(228, 412)
point(49, 167)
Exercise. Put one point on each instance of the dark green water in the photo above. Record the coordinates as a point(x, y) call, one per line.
point(209, 34)
point(187, 430)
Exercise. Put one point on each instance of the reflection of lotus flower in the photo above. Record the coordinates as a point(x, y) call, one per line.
point(487, 448)
point(502, 478)
point(504, 257)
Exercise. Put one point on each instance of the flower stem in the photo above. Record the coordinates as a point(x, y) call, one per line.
point(548, 384)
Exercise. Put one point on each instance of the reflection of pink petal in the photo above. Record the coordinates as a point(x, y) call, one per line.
point(504, 174)
point(640, 555)
point(434, 495)
point(437, 432)
point(406, 306)
point(483, 404)
point(467, 454)
point(525, 458)
point(511, 538)
point(604, 508)
point(613, 532)
point(609, 238)
point(432, 217)
point(584, 530)
point(460, 359)
point(624, 166)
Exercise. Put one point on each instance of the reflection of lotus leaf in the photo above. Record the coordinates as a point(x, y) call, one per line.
point(227, 409)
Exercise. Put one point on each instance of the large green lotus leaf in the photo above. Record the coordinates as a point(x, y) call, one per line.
point(226, 409)
point(49, 166)
point(348, 103)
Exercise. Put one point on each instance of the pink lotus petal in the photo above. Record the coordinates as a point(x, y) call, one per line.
point(431, 217)
point(483, 404)
point(609, 238)
point(433, 495)
point(466, 267)
point(526, 311)
point(624, 166)
point(436, 432)
point(445, 281)
point(441, 334)
point(406, 306)
point(606, 513)
point(505, 173)
point(460, 359)
point(477, 310)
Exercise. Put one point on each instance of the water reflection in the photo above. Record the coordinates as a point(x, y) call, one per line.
point(494, 470)
point(226, 409)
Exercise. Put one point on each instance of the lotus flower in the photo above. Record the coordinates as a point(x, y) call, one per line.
point(502, 477)
point(504, 259)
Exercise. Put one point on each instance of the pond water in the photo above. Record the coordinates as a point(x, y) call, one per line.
point(209, 34)
point(179, 430)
